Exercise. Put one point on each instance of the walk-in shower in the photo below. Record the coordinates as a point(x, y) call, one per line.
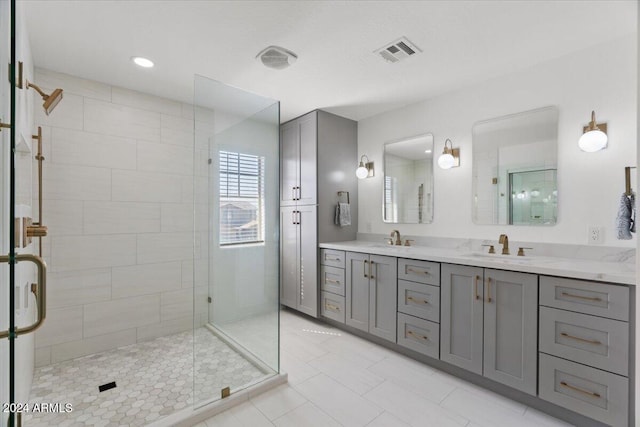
point(164, 299)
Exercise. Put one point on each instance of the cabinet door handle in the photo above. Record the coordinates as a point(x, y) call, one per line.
point(566, 335)
point(298, 193)
point(413, 334)
point(413, 270)
point(364, 268)
point(293, 193)
point(579, 390)
point(566, 294)
point(488, 289)
point(293, 217)
point(476, 287)
point(331, 307)
point(419, 301)
point(299, 217)
point(371, 276)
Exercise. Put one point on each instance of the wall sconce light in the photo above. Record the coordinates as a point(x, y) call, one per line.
point(594, 137)
point(365, 169)
point(450, 157)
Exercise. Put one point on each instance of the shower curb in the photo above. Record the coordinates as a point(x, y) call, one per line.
point(190, 416)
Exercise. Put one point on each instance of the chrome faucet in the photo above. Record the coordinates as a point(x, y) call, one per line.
point(398, 241)
point(504, 240)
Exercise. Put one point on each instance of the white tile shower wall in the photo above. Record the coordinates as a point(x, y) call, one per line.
point(118, 195)
point(589, 184)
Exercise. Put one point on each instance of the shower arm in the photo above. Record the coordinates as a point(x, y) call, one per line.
point(42, 94)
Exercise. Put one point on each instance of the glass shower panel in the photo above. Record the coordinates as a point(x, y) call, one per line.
point(237, 239)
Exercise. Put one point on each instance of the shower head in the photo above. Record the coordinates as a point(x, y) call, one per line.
point(50, 101)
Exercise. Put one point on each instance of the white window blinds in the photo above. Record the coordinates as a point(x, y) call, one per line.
point(241, 198)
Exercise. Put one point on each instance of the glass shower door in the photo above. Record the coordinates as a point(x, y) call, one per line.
point(7, 350)
point(237, 239)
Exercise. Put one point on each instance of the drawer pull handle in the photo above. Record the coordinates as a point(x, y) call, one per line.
point(419, 301)
point(331, 307)
point(413, 270)
point(476, 287)
point(566, 335)
point(326, 258)
point(579, 390)
point(566, 294)
point(422, 337)
point(327, 280)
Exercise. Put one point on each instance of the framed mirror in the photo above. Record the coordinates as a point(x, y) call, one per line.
point(515, 162)
point(407, 196)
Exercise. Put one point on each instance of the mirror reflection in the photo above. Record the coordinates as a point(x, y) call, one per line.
point(408, 181)
point(515, 160)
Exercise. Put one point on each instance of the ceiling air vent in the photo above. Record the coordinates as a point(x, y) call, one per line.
point(398, 50)
point(277, 57)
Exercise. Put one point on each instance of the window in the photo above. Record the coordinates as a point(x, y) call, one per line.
point(241, 198)
point(390, 202)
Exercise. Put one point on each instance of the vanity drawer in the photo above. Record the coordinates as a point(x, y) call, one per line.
point(594, 341)
point(332, 258)
point(332, 279)
point(419, 271)
point(419, 335)
point(332, 306)
point(588, 391)
point(419, 300)
point(599, 299)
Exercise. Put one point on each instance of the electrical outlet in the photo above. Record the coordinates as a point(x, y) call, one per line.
point(596, 235)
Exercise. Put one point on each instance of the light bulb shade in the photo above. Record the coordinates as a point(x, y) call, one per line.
point(593, 141)
point(446, 161)
point(362, 172)
point(365, 169)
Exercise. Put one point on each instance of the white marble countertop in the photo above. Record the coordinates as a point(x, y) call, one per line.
point(612, 272)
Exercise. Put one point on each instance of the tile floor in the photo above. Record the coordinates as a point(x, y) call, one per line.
point(337, 379)
point(154, 379)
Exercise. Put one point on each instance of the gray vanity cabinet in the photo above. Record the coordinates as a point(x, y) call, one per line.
point(461, 314)
point(299, 258)
point(489, 323)
point(511, 329)
point(371, 292)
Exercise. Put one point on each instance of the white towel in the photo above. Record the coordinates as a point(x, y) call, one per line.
point(626, 219)
point(343, 215)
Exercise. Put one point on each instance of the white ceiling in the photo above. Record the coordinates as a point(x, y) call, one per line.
point(463, 42)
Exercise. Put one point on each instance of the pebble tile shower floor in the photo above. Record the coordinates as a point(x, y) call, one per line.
point(153, 379)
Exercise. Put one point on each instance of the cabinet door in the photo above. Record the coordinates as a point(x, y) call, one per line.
point(308, 247)
point(308, 159)
point(511, 328)
point(289, 162)
point(461, 308)
point(383, 293)
point(289, 267)
point(357, 283)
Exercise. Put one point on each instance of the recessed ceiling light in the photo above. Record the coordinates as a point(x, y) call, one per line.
point(427, 151)
point(142, 62)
